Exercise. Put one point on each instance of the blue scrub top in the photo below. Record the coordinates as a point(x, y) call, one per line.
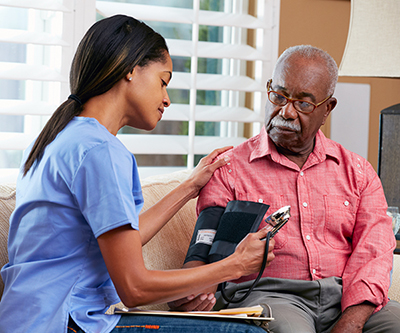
point(85, 185)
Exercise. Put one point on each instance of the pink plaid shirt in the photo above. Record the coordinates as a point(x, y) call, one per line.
point(338, 225)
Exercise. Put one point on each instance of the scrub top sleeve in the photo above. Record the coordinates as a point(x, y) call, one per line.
point(107, 188)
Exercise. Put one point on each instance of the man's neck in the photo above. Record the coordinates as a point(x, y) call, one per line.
point(299, 158)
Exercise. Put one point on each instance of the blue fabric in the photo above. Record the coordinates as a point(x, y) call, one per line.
point(85, 185)
point(165, 324)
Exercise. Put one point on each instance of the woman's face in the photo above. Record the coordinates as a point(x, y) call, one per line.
point(147, 95)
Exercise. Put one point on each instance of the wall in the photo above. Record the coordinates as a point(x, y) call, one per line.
point(324, 23)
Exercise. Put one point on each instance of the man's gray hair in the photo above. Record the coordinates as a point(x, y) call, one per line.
point(312, 53)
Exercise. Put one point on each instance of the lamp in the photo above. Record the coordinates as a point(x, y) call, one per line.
point(373, 50)
point(373, 41)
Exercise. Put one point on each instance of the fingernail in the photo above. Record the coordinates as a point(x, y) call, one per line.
point(203, 297)
point(210, 297)
point(190, 297)
point(227, 158)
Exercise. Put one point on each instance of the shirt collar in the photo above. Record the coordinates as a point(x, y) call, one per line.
point(323, 147)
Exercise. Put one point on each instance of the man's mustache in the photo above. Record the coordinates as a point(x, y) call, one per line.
point(278, 121)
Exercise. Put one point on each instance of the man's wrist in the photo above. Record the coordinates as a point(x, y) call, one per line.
point(354, 317)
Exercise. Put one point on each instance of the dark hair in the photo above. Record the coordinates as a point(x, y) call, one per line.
point(109, 50)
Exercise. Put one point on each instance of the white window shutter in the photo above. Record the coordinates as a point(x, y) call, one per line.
point(232, 82)
point(49, 38)
point(37, 48)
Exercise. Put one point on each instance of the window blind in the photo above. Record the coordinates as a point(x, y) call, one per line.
point(240, 94)
point(37, 42)
point(223, 53)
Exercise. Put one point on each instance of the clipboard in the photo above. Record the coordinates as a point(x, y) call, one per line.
point(253, 313)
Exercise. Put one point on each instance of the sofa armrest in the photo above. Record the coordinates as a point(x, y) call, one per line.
point(7, 205)
point(394, 290)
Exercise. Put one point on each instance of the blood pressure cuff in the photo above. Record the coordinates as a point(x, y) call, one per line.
point(218, 230)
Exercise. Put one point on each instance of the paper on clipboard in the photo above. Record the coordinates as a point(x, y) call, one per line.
point(253, 313)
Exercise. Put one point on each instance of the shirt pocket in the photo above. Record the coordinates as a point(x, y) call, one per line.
point(340, 213)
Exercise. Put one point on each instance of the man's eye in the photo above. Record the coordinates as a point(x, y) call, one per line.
point(304, 104)
point(278, 98)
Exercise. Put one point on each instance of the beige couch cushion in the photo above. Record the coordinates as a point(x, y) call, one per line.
point(7, 204)
point(168, 248)
point(394, 290)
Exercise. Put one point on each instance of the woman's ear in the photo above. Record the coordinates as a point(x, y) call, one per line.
point(130, 75)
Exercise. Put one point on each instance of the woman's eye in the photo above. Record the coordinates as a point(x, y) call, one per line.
point(164, 84)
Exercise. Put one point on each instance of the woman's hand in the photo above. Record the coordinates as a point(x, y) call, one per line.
point(205, 169)
point(250, 251)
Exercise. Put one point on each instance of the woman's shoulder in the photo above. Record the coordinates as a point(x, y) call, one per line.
point(86, 133)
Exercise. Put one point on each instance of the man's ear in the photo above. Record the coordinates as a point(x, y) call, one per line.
point(330, 105)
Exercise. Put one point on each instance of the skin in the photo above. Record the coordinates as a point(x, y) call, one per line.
point(293, 134)
point(299, 79)
point(139, 100)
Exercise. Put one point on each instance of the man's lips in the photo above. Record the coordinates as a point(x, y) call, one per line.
point(284, 129)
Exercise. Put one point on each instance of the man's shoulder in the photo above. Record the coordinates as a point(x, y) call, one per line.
point(243, 149)
point(351, 162)
point(342, 153)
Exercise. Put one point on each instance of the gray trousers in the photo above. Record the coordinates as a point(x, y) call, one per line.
point(306, 306)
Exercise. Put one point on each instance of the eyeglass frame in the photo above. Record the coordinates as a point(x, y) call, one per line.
point(292, 100)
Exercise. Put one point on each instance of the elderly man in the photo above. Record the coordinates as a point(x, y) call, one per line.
point(331, 271)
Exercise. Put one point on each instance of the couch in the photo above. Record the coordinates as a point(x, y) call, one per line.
point(167, 249)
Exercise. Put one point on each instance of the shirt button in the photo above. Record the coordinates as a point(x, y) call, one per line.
point(346, 203)
point(260, 200)
point(229, 171)
point(308, 237)
point(305, 204)
point(314, 271)
point(302, 173)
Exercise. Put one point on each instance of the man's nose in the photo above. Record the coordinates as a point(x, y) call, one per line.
point(288, 111)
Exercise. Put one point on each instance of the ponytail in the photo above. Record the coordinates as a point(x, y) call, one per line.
point(60, 118)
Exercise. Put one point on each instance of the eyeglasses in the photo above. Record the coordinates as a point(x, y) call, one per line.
point(300, 105)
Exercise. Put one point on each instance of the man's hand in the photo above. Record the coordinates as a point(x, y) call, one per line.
point(201, 302)
point(354, 318)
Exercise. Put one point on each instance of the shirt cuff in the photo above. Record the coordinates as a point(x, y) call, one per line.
point(360, 292)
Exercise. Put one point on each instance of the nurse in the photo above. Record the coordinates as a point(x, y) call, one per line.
point(76, 235)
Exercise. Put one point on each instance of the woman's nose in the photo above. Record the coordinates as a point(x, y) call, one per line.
point(166, 100)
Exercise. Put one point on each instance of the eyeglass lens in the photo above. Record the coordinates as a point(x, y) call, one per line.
point(281, 100)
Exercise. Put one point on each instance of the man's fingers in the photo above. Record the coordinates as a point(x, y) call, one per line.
point(179, 302)
point(203, 302)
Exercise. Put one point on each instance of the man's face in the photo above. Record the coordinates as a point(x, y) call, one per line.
point(293, 132)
